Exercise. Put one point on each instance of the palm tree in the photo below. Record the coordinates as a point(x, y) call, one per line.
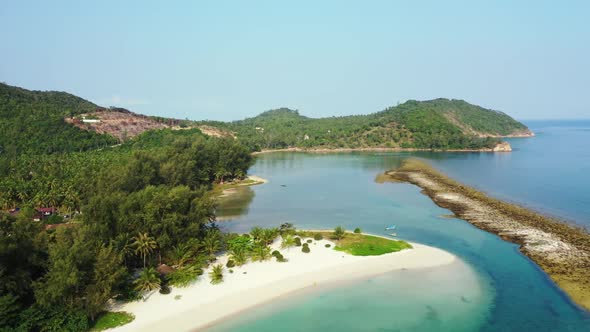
point(261, 252)
point(268, 235)
point(239, 255)
point(148, 280)
point(181, 254)
point(211, 242)
point(219, 175)
point(339, 232)
point(256, 232)
point(124, 245)
point(288, 241)
point(144, 245)
point(216, 274)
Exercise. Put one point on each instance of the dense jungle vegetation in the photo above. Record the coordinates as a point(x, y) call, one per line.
point(129, 208)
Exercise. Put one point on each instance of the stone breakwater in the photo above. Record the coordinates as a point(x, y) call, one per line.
point(561, 250)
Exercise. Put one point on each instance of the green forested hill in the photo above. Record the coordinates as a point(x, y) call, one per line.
point(33, 122)
point(435, 124)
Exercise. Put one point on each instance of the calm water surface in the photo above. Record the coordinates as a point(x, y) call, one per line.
point(492, 288)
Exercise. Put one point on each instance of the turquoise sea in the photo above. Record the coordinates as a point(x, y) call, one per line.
point(492, 288)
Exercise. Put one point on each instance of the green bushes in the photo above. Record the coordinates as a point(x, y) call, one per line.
point(339, 233)
point(165, 290)
point(298, 241)
point(357, 230)
point(305, 248)
point(230, 263)
point(318, 237)
point(276, 254)
point(328, 245)
point(309, 241)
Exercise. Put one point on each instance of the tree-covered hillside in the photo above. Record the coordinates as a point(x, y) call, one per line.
point(33, 122)
point(57, 274)
point(435, 124)
point(82, 222)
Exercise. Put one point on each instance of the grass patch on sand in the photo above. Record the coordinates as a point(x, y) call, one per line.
point(111, 319)
point(367, 245)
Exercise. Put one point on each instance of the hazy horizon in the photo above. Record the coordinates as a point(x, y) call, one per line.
point(228, 61)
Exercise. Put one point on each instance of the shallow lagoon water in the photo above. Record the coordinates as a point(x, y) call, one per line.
point(323, 191)
point(449, 298)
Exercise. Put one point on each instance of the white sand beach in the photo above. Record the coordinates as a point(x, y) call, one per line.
point(202, 304)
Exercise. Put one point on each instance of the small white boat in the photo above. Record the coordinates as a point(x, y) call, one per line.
point(390, 228)
point(392, 234)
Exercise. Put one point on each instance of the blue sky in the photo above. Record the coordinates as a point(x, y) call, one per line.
point(228, 60)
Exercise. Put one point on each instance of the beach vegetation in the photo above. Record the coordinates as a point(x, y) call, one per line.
point(256, 233)
point(261, 252)
point(212, 242)
point(240, 248)
point(288, 241)
point(305, 249)
point(239, 256)
point(230, 263)
point(357, 230)
point(184, 276)
point(110, 319)
point(309, 241)
point(328, 245)
point(297, 241)
point(268, 235)
point(318, 236)
point(148, 280)
point(287, 228)
point(367, 245)
point(216, 274)
point(339, 233)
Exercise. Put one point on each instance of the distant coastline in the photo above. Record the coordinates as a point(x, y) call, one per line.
point(561, 250)
point(501, 147)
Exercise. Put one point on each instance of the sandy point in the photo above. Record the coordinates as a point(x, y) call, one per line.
point(202, 303)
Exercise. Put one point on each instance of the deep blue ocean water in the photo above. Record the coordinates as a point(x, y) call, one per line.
point(492, 288)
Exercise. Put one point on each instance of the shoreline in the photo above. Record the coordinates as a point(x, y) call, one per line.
point(561, 250)
point(230, 188)
point(377, 149)
point(203, 305)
